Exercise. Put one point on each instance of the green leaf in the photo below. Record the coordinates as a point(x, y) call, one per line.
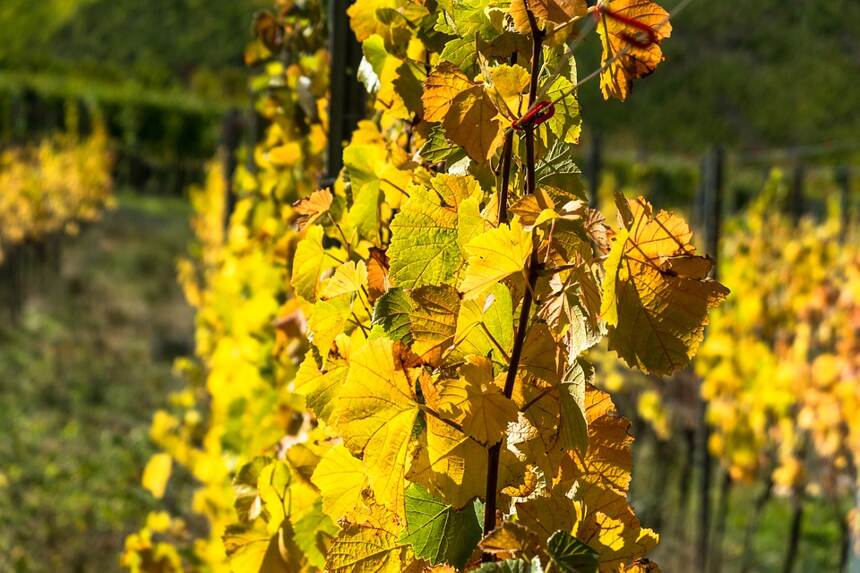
point(559, 169)
point(311, 533)
point(424, 247)
point(247, 498)
point(438, 148)
point(511, 566)
point(392, 312)
point(438, 532)
point(364, 213)
point(462, 52)
point(570, 555)
point(375, 55)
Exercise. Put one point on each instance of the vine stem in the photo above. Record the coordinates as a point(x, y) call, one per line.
point(531, 272)
point(507, 154)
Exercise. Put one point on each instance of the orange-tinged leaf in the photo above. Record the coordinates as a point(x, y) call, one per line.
point(378, 281)
point(656, 296)
point(511, 541)
point(312, 208)
point(547, 13)
point(441, 87)
point(601, 479)
point(472, 123)
point(630, 32)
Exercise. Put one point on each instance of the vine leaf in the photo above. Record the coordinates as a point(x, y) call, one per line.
point(449, 463)
point(340, 477)
point(312, 208)
point(438, 532)
point(313, 531)
point(392, 312)
point(656, 294)
point(605, 519)
point(309, 263)
point(433, 320)
point(424, 247)
point(472, 122)
point(318, 387)
point(247, 501)
point(372, 545)
point(512, 566)
point(629, 51)
point(494, 256)
point(375, 411)
point(476, 402)
point(485, 325)
point(156, 474)
point(349, 278)
point(329, 318)
point(511, 540)
point(475, 113)
point(568, 554)
point(250, 548)
point(572, 425)
point(552, 12)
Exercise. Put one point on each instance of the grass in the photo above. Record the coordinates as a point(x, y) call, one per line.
point(658, 503)
point(80, 376)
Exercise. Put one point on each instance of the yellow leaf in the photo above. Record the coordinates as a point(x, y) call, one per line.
point(286, 155)
point(507, 85)
point(434, 320)
point(349, 278)
point(340, 478)
point(371, 545)
point(375, 412)
point(450, 464)
point(157, 473)
point(495, 255)
point(476, 402)
point(468, 110)
point(656, 297)
point(630, 52)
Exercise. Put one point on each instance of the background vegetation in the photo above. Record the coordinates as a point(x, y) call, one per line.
point(90, 359)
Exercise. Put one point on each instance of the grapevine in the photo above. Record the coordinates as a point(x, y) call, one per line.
point(438, 298)
point(53, 187)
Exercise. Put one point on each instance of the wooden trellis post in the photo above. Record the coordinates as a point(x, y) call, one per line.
point(347, 97)
point(712, 187)
point(595, 166)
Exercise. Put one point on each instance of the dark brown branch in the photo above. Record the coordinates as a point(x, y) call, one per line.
point(494, 453)
point(507, 154)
